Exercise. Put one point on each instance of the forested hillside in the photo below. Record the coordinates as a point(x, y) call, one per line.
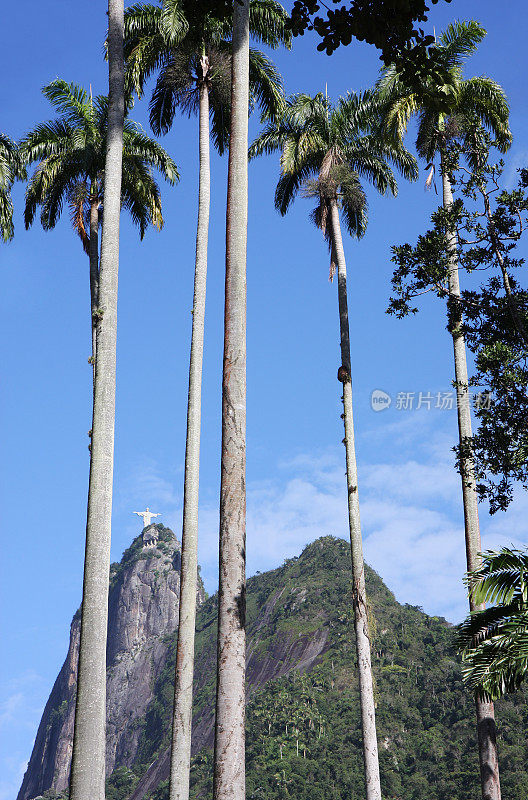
point(303, 722)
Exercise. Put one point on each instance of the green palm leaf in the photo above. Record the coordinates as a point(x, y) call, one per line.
point(325, 152)
point(493, 642)
point(268, 23)
point(70, 152)
point(449, 107)
point(157, 40)
point(459, 41)
point(11, 168)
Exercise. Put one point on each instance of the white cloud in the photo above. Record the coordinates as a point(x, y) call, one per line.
point(13, 770)
point(20, 712)
point(19, 703)
point(411, 511)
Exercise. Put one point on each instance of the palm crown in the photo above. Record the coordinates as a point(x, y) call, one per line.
point(190, 49)
point(449, 109)
point(494, 642)
point(10, 169)
point(326, 151)
point(71, 155)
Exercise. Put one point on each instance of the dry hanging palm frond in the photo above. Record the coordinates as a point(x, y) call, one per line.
point(332, 159)
point(321, 218)
point(430, 178)
point(79, 211)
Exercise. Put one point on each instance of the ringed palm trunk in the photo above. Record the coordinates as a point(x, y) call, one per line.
point(486, 730)
point(359, 595)
point(88, 759)
point(229, 757)
point(94, 270)
point(183, 681)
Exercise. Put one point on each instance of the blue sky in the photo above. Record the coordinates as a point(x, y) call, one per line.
point(410, 495)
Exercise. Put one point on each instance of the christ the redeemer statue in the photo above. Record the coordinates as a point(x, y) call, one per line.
point(147, 516)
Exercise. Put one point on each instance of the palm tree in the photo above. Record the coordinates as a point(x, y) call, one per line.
point(71, 155)
point(445, 111)
point(10, 169)
point(193, 53)
point(229, 782)
point(494, 641)
point(88, 757)
point(326, 150)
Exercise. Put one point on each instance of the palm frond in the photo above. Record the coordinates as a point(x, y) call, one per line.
point(268, 23)
point(140, 196)
point(459, 41)
point(139, 145)
point(78, 202)
point(11, 165)
point(369, 162)
point(11, 168)
point(141, 19)
point(143, 57)
point(499, 664)
point(173, 23)
point(487, 100)
point(175, 88)
point(353, 203)
point(494, 641)
point(7, 229)
point(57, 181)
point(71, 101)
point(265, 86)
point(71, 155)
point(428, 135)
point(503, 575)
point(219, 121)
point(270, 139)
point(356, 113)
point(398, 115)
point(288, 187)
point(46, 139)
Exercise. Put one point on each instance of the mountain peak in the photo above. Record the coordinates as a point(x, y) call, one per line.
point(303, 712)
point(143, 609)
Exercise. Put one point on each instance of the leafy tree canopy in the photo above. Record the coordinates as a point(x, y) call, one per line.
point(489, 222)
point(387, 24)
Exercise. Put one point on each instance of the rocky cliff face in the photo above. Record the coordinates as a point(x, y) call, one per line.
point(143, 617)
point(303, 711)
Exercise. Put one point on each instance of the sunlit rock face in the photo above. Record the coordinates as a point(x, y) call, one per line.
point(142, 619)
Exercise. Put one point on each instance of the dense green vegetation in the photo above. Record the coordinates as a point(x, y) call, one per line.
point(305, 734)
point(303, 729)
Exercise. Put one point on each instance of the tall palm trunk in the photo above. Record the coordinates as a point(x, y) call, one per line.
point(359, 595)
point(487, 738)
point(88, 759)
point(183, 680)
point(94, 268)
point(229, 757)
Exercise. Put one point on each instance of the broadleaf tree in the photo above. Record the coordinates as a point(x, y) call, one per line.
point(448, 110)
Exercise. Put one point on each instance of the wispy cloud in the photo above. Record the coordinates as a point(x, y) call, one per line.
point(20, 711)
point(12, 773)
point(411, 510)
